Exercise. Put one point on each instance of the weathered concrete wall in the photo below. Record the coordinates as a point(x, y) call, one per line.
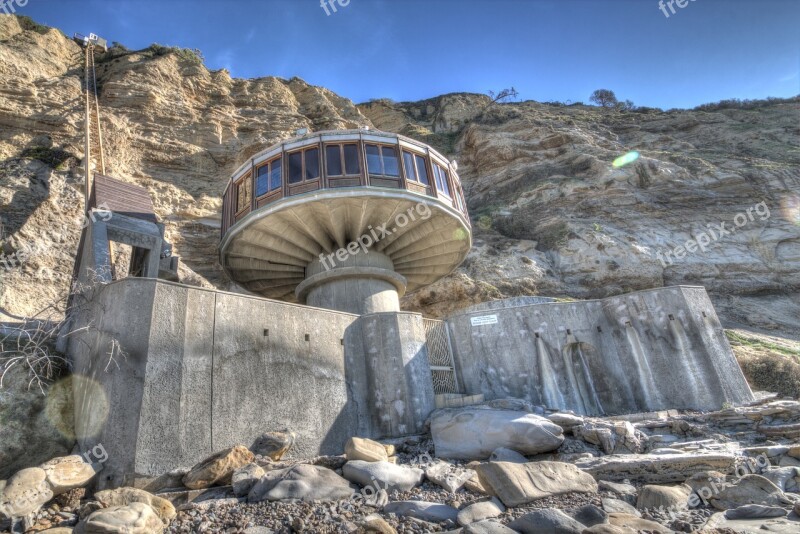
point(649, 350)
point(205, 370)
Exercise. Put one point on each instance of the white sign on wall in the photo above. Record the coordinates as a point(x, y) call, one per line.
point(483, 320)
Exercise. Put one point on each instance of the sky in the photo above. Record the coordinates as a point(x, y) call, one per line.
point(409, 50)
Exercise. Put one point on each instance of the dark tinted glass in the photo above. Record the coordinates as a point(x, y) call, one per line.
point(422, 171)
point(333, 160)
point(373, 159)
point(312, 164)
point(295, 167)
point(275, 175)
point(262, 180)
point(390, 164)
point(351, 165)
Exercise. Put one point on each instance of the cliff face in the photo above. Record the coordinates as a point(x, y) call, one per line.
point(555, 217)
point(551, 214)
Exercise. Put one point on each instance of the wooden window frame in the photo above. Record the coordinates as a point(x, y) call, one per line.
point(268, 164)
point(446, 178)
point(342, 160)
point(246, 179)
point(414, 156)
point(400, 178)
point(304, 180)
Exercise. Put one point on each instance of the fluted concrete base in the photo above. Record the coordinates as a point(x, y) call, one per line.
point(360, 283)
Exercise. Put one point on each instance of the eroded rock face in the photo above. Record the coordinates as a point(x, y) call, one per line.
point(474, 433)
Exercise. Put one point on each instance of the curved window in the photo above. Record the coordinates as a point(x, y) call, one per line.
point(333, 160)
point(312, 163)
point(342, 160)
point(441, 180)
point(243, 193)
point(268, 177)
point(382, 160)
point(296, 168)
point(416, 170)
point(304, 165)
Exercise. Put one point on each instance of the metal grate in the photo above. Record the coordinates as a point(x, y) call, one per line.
point(440, 357)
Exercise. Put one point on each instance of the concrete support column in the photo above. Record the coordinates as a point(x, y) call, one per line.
point(399, 383)
point(359, 283)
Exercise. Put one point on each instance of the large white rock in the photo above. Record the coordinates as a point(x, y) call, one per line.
point(301, 482)
point(473, 433)
point(136, 518)
point(25, 493)
point(67, 473)
point(518, 484)
point(382, 475)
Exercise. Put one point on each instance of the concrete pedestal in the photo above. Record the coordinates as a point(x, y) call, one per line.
point(360, 283)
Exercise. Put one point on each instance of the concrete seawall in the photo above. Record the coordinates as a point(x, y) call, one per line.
point(205, 370)
point(649, 350)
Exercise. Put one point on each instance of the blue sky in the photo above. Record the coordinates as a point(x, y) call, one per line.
point(414, 49)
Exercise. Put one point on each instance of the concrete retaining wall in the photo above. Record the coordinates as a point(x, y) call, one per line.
point(205, 370)
point(649, 350)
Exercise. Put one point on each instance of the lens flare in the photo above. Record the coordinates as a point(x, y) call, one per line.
point(485, 222)
point(459, 234)
point(90, 398)
point(621, 161)
point(790, 209)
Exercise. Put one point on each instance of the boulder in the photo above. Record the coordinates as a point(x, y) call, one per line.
point(25, 492)
point(479, 511)
point(487, 527)
point(704, 484)
point(775, 525)
point(546, 521)
point(637, 524)
point(365, 450)
point(382, 475)
point(448, 476)
point(273, 444)
point(620, 488)
point(68, 472)
point(473, 433)
point(126, 496)
point(502, 454)
point(218, 469)
point(518, 484)
point(783, 477)
point(755, 511)
point(750, 489)
point(590, 515)
point(656, 469)
point(608, 528)
point(244, 478)
point(301, 482)
point(613, 506)
point(135, 518)
point(375, 524)
point(566, 420)
point(671, 497)
point(426, 511)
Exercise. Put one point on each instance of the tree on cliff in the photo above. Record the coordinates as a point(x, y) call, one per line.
point(604, 97)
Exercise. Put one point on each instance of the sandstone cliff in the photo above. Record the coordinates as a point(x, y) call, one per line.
point(551, 214)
